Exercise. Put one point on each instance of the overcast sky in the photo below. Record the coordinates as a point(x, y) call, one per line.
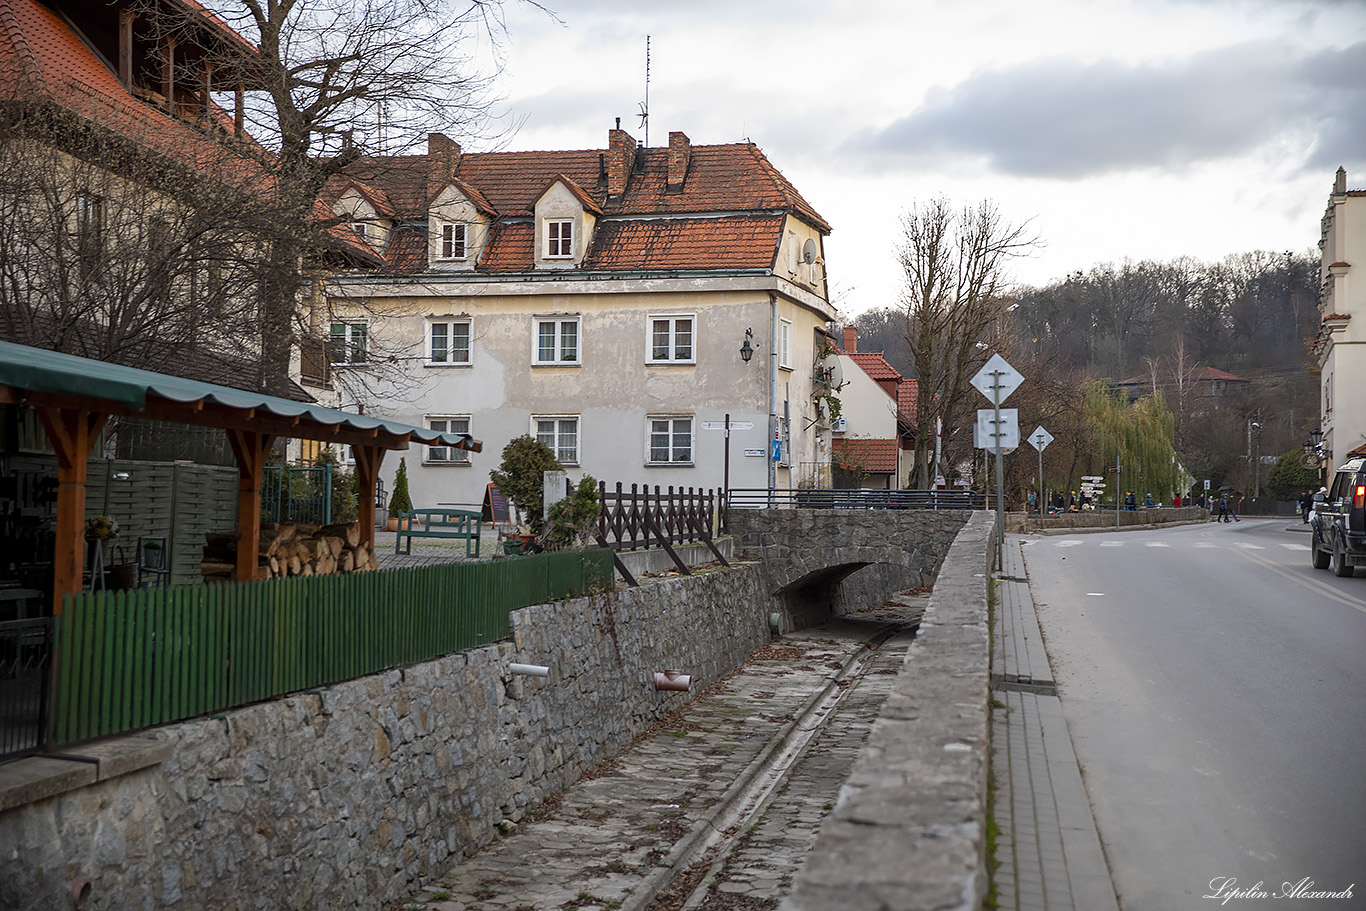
point(1140, 130)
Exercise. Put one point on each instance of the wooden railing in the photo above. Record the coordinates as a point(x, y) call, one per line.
point(639, 517)
point(128, 660)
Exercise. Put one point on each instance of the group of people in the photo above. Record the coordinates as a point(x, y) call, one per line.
point(1307, 500)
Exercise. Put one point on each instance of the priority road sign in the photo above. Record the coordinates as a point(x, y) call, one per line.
point(997, 380)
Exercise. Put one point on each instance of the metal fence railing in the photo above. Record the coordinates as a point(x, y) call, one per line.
point(295, 493)
point(25, 665)
point(811, 498)
point(131, 659)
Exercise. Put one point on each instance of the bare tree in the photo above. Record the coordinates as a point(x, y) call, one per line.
point(112, 252)
point(326, 81)
point(954, 299)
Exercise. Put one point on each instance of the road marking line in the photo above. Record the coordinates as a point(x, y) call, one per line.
point(1157, 544)
point(1067, 543)
point(1111, 543)
point(1295, 546)
point(1095, 594)
point(1246, 546)
point(1306, 580)
point(1204, 544)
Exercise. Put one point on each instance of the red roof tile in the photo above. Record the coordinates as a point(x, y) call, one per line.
point(906, 395)
point(511, 248)
point(876, 456)
point(735, 195)
point(686, 243)
point(876, 366)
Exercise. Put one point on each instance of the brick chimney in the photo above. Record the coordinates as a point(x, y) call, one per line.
point(621, 157)
point(850, 340)
point(680, 154)
point(443, 158)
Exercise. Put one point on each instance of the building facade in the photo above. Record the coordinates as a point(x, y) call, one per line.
point(1340, 346)
point(616, 304)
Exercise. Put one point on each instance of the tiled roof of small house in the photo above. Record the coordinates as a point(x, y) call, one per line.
point(874, 456)
point(906, 395)
point(876, 366)
point(727, 213)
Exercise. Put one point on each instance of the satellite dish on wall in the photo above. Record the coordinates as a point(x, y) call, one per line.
point(809, 251)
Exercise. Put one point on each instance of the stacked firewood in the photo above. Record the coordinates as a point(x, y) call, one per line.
point(293, 549)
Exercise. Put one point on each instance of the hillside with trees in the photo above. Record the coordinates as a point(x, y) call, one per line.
point(1173, 329)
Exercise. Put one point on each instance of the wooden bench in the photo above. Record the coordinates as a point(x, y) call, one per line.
point(438, 523)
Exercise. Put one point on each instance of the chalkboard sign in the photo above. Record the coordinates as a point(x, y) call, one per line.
point(495, 507)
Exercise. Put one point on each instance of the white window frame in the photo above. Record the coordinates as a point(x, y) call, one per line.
point(559, 238)
point(446, 455)
point(785, 344)
point(557, 355)
point(349, 338)
point(670, 356)
point(448, 241)
point(672, 420)
point(566, 455)
point(449, 360)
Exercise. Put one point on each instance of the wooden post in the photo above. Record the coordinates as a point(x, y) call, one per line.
point(251, 449)
point(368, 459)
point(72, 432)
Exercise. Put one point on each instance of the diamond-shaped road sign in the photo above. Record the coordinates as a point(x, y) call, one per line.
point(1006, 435)
point(997, 380)
point(1040, 438)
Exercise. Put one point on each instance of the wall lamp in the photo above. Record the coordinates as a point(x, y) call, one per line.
point(747, 350)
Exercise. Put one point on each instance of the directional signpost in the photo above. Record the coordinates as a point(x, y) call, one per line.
point(997, 380)
point(1040, 439)
point(727, 425)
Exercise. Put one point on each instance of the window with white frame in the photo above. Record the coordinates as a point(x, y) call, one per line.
point(670, 440)
point(785, 344)
point(671, 339)
point(556, 340)
point(348, 343)
point(452, 241)
point(559, 238)
point(448, 342)
point(448, 455)
point(561, 434)
point(362, 230)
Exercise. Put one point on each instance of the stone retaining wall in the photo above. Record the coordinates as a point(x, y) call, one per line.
point(910, 826)
point(352, 796)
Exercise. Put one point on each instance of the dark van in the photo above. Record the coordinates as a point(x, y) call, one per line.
point(1339, 522)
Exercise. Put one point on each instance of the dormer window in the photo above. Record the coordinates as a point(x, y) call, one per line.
point(453, 241)
point(559, 239)
point(362, 230)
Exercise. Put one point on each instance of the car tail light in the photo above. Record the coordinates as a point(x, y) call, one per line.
point(1360, 498)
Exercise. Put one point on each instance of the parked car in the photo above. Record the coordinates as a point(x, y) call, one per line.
point(1339, 522)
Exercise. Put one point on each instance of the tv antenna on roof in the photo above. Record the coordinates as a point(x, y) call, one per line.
point(645, 105)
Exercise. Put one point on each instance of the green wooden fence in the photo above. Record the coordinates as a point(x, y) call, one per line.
point(128, 660)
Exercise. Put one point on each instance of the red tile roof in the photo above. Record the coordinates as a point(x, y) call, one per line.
point(875, 456)
point(906, 395)
point(727, 215)
point(876, 366)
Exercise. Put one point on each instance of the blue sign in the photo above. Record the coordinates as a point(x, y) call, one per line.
point(777, 450)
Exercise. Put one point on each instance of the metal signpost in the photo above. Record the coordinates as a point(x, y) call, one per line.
point(1040, 439)
point(727, 425)
point(997, 380)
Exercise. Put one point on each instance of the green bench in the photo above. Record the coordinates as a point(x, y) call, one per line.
point(438, 523)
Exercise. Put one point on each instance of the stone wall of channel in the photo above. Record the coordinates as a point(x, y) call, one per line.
point(353, 796)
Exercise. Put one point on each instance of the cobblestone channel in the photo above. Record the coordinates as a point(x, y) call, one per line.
point(717, 806)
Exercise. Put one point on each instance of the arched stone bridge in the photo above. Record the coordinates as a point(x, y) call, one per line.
point(821, 563)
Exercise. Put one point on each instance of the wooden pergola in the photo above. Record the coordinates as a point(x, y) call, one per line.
point(75, 396)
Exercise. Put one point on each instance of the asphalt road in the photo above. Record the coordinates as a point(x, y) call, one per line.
point(1214, 685)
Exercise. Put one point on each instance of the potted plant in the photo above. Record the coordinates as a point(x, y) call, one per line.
point(152, 554)
point(400, 501)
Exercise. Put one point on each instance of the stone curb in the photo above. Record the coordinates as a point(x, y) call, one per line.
point(682, 853)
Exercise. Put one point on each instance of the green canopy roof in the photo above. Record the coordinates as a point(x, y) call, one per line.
point(38, 370)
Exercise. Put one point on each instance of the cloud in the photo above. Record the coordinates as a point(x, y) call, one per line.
point(1063, 118)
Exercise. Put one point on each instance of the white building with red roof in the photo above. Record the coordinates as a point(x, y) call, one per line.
point(595, 299)
point(1340, 346)
point(873, 443)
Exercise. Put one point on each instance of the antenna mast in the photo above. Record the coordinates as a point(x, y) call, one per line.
point(645, 106)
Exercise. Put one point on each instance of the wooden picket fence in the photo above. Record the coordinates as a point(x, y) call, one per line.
point(129, 660)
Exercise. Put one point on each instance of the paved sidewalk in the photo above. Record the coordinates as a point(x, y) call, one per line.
point(1048, 850)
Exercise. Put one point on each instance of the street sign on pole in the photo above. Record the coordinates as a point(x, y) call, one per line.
point(997, 380)
point(1040, 438)
point(992, 431)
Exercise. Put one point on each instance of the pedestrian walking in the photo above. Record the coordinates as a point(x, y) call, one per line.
point(1223, 508)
